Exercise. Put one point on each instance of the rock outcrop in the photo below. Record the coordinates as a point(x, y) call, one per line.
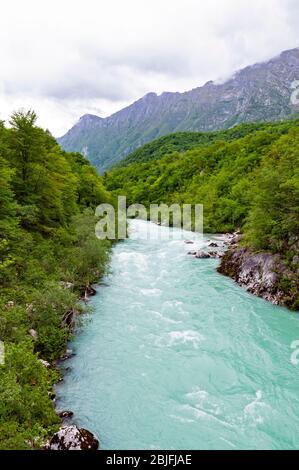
point(72, 438)
point(207, 254)
point(262, 274)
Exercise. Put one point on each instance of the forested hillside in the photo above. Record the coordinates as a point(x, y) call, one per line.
point(183, 141)
point(249, 183)
point(49, 256)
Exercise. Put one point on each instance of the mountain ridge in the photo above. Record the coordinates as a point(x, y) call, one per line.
point(259, 92)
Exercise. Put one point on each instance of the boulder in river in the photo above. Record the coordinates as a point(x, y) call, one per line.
point(213, 245)
point(207, 255)
point(202, 255)
point(65, 414)
point(72, 438)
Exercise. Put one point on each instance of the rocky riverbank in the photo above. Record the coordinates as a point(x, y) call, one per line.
point(263, 274)
point(69, 436)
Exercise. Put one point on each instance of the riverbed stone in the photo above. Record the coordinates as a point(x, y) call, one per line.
point(65, 414)
point(73, 438)
point(202, 255)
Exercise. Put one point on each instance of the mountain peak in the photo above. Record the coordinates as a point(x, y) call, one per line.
point(90, 117)
point(260, 92)
point(150, 95)
point(148, 98)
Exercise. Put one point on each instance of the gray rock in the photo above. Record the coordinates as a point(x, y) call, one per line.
point(260, 274)
point(202, 255)
point(72, 438)
point(45, 363)
point(33, 333)
point(65, 414)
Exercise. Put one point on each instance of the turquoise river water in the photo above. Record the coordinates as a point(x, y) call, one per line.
point(176, 356)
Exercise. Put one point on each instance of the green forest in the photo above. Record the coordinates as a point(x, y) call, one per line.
point(49, 256)
point(247, 179)
point(183, 141)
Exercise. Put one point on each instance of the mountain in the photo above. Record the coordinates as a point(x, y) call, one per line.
point(261, 92)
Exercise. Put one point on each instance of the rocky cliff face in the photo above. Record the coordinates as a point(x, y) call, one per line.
point(260, 92)
point(262, 274)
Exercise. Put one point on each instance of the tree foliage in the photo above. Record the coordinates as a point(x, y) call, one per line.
point(47, 242)
point(246, 177)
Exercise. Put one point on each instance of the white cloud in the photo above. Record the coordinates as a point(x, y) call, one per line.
point(67, 57)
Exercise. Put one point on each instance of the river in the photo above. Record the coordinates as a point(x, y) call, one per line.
point(176, 356)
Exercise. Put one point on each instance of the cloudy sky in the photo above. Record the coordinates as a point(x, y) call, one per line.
point(65, 58)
